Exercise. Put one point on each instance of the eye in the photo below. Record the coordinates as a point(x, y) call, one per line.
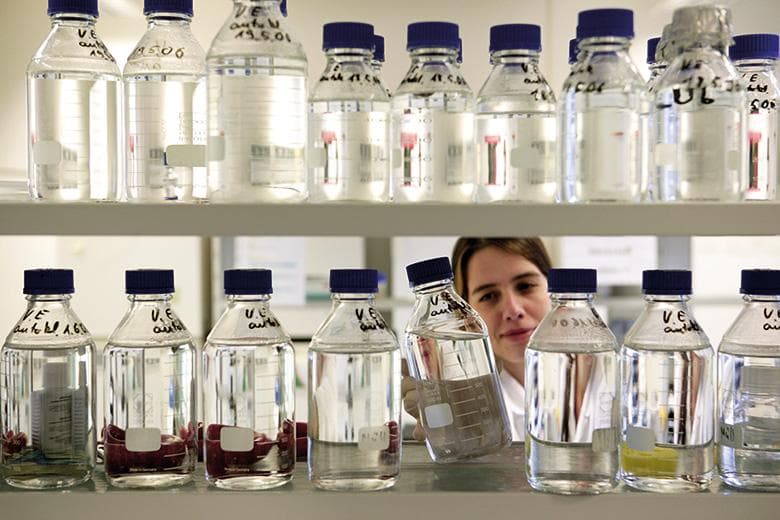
point(524, 287)
point(488, 296)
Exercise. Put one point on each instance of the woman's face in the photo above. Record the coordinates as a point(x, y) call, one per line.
point(510, 293)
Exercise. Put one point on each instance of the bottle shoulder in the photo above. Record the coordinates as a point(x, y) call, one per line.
point(167, 50)
point(354, 323)
point(349, 81)
point(600, 72)
point(432, 77)
point(666, 326)
point(73, 49)
point(446, 315)
point(248, 324)
point(573, 328)
point(49, 325)
point(519, 84)
point(700, 69)
point(150, 324)
point(755, 329)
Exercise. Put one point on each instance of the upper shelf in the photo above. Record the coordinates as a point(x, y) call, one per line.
point(28, 218)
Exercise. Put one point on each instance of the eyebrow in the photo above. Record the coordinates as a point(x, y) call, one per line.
point(517, 278)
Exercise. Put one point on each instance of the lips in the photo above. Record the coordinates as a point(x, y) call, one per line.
point(518, 334)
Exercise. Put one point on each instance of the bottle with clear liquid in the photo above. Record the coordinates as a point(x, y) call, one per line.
point(47, 386)
point(73, 110)
point(572, 372)
point(354, 391)
point(150, 418)
point(667, 412)
point(257, 108)
point(450, 358)
point(516, 125)
point(755, 57)
point(378, 61)
point(433, 110)
point(349, 121)
point(248, 389)
point(599, 112)
point(567, 151)
point(749, 387)
point(647, 186)
point(165, 108)
point(700, 111)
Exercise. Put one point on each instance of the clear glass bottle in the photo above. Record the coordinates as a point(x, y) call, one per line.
point(73, 110)
point(378, 61)
point(47, 383)
point(599, 112)
point(249, 389)
point(567, 151)
point(349, 121)
point(648, 187)
point(165, 108)
point(433, 111)
point(354, 391)
point(667, 412)
point(755, 57)
point(150, 416)
point(257, 108)
point(450, 358)
point(572, 370)
point(516, 126)
point(749, 387)
point(699, 111)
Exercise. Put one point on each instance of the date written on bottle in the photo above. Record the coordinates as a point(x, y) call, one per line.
point(167, 324)
point(679, 323)
point(36, 322)
point(416, 76)
point(158, 51)
point(259, 29)
point(450, 305)
point(88, 39)
point(579, 322)
point(370, 320)
point(772, 317)
point(762, 104)
point(337, 75)
point(259, 319)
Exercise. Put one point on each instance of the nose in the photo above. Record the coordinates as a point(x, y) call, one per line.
point(513, 307)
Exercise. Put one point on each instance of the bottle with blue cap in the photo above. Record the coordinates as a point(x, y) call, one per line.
point(667, 389)
point(74, 99)
point(699, 110)
point(378, 61)
point(599, 112)
point(748, 386)
point(572, 375)
point(48, 389)
point(657, 66)
point(447, 346)
point(433, 110)
point(149, 362)
point(248, 375)
point(516, 127)
point(165, 106)
point(257, 92)
point(755, 57)
point(354, 390)
point(349, 121)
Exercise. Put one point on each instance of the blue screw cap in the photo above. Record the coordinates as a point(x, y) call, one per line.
point(379, 48)
point(248, 281)
point(652, 45)
point(667, 282)
point(168, 6)
point(573, 50)
point(605, 22)
point(89, 7)
point(428, 271)
point(572, 280)
point(353, 281)
point(48, 281)
point(432, 34)
point(149, 281)
point(515, 36)
point(760, 281)
point(347, 35)
point(755, 47)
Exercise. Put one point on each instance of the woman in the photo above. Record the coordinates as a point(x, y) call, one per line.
point(505, 281)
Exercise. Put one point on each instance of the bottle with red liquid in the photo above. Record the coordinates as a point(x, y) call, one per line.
point(150, 436)
point(249, 389)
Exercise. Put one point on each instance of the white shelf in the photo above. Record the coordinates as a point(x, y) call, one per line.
point(704, 219)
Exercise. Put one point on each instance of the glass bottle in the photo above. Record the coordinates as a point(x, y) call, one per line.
point(47, 381)
point(378, 61)
point(599, 112)
point(249, 389)
point(165, 108)
point(450, 358)
point(572, 371)
point(515, 116)
point(648, 187)
point(567, 151)
point(73, 110)
point(755, 57)
point(349, 121)
point(354, 391)
point(667, 412)
point(257, 108)
point(700, 111)
point(150, 401)
point(433, 132)
point(749, 387)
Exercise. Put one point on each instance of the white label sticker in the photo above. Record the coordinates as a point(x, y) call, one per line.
point(142, 439)
point(216, 148)
point(605, 439)
point(47, 153)
point(186, 155)
point(640, 439)
point(438, 415)
point(373, 438)
point(236, 439)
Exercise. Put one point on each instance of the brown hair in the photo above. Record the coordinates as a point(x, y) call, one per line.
point(532, 249)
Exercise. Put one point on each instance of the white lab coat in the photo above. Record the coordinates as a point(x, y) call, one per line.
point(514, 401)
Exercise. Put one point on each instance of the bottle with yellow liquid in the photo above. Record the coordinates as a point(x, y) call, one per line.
point(667, 392)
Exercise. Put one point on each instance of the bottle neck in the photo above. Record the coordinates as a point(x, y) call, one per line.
point(254, 8)
point(515, 56)
point(347, 298)
point(158, 299)
point(704, 43)
point(248, 298)
point(376, 65)
point(345, 55)
point(762, 298)
point(63, 299)
point(667, 298)
point(426, 289)
point(168, 20)
point(605, 44)
point(572, 298)
point(73, 20)
point(756, 65)
point(434, 54)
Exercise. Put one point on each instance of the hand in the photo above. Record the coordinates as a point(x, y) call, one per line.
point(409, 392)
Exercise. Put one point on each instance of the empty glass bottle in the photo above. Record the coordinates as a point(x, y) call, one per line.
point(599, 112)
point(349, 121)
point(47, 381)
point(749, 387)
point(73, 110)
point(248, 389)
point(150, 401)
point(515, 116)
point(165, 108)
point(354, 391)
point(755, 56)
point(572, 374)
point(433, 132)
point(450, 358)
point(257, 107)
point(667, 412)
point(699, 111)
